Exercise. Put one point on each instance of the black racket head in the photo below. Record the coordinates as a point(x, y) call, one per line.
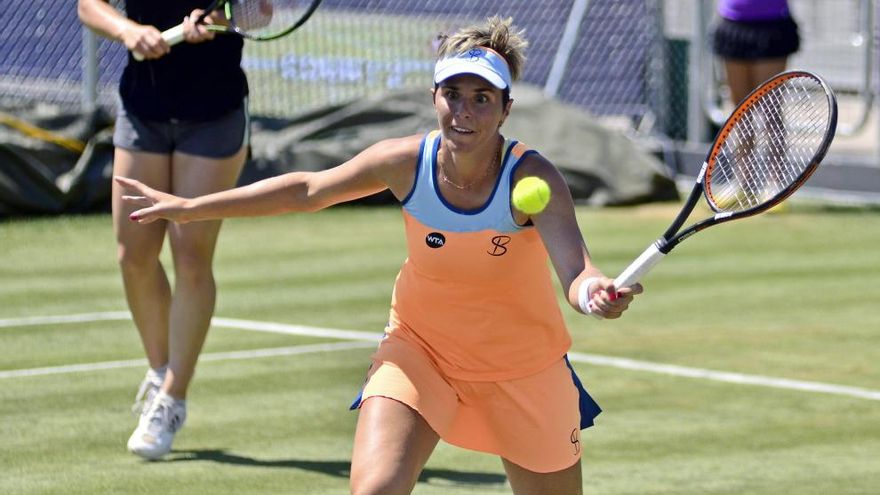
point(268, 19)
point(771, 144)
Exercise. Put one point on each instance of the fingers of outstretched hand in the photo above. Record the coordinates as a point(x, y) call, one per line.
point(136, 192)
point(130, 184)
point(144, 215)
point(137, 200)
point(140, 196)
point(158, 204)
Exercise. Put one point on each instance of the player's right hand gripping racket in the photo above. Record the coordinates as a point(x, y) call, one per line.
point(766, 150)
point(260, 20)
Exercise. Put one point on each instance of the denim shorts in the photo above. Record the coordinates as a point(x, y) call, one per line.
point(218, 138)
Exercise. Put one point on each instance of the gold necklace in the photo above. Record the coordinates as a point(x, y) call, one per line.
point(488, 171)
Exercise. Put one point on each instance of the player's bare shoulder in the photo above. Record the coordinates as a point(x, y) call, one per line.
point(535, 164)
point(396, 161)
point(399, 151)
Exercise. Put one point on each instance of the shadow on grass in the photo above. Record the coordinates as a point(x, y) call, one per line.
point(341, 469)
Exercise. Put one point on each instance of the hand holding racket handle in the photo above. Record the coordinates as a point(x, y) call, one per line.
point(260, 20)
point(768, 147)
point(172, 36)
point(638, 268)
point(635, 271)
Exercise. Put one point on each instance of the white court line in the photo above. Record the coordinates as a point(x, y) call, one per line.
point(80, 318)
point(260, 326)
point(373, 338)
point(724, 376)
point(214, 356)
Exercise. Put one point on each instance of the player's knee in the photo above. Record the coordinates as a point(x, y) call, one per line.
point(133, 261)
point(192, 252)
point(193, 269)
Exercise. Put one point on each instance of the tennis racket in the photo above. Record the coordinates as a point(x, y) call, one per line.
point(769, 146)
point(260, 20)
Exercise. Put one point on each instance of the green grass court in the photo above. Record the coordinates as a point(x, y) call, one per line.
point(791, 295)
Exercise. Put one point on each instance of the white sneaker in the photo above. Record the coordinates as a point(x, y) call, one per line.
point(157, 426)
point(150, 386)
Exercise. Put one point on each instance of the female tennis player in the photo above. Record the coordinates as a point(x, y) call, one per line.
point(181, 126)
point(475, 349)
point(754, 38)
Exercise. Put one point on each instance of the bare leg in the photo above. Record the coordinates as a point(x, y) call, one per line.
point(525, 482)
point(761, 71)
point(745, 75)
point(391, 446)
point(138, 246)
point(739, 79)
point(192, 248)
point(765, 69)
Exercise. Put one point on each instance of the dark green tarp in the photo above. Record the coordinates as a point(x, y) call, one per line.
point(41, 172)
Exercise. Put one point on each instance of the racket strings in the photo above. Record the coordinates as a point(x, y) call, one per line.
point(770, 146)
point(266, 18)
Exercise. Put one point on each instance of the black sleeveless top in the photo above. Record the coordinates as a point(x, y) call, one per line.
point(194, 82)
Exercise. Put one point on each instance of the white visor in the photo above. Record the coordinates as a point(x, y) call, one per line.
point(480, 61)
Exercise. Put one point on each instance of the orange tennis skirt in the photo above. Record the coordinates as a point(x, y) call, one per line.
point(534, 422)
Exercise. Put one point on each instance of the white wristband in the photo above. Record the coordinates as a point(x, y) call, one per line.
point(585, 294)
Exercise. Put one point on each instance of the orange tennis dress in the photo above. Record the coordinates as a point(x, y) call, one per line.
point(476, 342)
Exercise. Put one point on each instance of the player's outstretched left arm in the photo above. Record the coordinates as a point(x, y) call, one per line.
point(387, 164)
point(267, 197)
point(588, 289)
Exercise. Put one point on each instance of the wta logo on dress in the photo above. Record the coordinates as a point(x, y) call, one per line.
point(435, 240)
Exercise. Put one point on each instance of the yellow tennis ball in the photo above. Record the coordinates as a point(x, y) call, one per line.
point(531, 195)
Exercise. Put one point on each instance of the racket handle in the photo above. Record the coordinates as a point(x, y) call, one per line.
point(638, 268)
point(172, 36)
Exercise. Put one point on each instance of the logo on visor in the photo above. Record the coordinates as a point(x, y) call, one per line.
point(435, 240)
point(475, 53)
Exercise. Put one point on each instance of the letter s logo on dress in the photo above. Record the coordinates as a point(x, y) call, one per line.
point(435, 240)
point(498, 245)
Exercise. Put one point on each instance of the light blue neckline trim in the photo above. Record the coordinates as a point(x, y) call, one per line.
point(505, 155)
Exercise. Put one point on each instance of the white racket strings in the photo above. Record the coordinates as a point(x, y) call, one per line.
point(770, 147)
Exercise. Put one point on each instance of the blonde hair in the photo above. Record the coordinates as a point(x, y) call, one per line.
point(497, 33)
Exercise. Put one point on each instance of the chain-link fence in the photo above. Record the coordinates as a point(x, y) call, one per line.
point(644, 63)
point(603, 53)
